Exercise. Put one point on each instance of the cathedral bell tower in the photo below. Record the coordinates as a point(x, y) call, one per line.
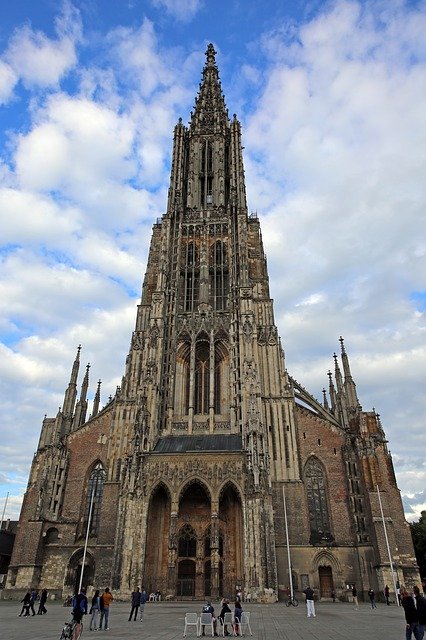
point(205, 375)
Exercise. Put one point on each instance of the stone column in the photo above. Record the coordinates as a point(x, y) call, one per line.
point(214, 554)
point(173, 551)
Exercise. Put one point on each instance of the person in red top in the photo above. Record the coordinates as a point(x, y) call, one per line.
point(106, 599)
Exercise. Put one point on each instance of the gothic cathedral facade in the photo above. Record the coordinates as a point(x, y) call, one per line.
point(211, 466)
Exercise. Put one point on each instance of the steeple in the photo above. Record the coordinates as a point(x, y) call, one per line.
point(210, 114)
point(350, 387)
point(81, 408)
point(341, 396)
point(71, 392)
point(96, 400)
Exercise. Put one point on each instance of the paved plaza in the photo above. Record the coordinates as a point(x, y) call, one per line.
point(165, 621)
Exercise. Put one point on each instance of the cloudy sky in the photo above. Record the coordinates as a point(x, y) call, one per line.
point(331, 97)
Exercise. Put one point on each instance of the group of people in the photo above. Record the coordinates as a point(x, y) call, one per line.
point(225, 608)
point(29, 600)
point(99, 608)
point(138, 600)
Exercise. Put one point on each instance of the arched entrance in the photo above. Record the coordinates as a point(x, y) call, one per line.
point(194, 543)
point(74, 569)
point(326, 586)
point(157, 546)
point(186, 579)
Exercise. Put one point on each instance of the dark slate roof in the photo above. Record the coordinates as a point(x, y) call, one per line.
point(182, 444)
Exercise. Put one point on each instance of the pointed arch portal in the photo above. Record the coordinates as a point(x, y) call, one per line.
point(195, 552)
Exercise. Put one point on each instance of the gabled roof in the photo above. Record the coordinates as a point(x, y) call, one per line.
point(184, 444)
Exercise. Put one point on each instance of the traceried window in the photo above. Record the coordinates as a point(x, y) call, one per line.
point(219, 279)
point(94, 499)
point(317, 501)
point(187, 542)
point(206, 174)
point(202, 378)
point(191, 276)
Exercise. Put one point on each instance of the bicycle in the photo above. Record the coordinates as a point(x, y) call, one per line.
point(292, 602)
point(72, 630)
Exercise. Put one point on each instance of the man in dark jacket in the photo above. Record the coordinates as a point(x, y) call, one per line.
point(411, 615)
point(421, 611)
point(309, 594)
point(136, 601)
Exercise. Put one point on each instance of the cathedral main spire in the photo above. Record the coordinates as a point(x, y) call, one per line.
point(210, 114)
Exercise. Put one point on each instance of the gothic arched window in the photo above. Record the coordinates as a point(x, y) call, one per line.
point(94, 499)
point(191, 276)
point(202, 378)
point(219, 276)
point(187, 547)
point(317, 501)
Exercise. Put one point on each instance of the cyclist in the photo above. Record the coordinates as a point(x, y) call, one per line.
point(79, 604)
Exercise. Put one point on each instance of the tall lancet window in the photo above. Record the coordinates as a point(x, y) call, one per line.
point(206, 174)
point(202, 378)
point(95, 489)
point(191, 276)
point(219, 280)
point(317, 501)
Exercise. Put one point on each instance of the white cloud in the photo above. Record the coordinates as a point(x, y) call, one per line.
point(183, 10)
point(8, 80)
point(41, 61)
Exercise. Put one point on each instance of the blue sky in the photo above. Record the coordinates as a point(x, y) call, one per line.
point(331, 99)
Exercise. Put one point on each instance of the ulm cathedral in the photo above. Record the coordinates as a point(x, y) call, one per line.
point(210, 453)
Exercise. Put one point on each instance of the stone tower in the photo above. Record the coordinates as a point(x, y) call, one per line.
point(183, 481)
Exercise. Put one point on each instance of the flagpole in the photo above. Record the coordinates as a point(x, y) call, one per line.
point(87, 537)
point(4, 510)
point(387, 545)
point(288, 546)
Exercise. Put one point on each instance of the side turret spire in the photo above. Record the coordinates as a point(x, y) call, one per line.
point(96, 400)
point(71, 392)
point(350, 387)
point(81, 408)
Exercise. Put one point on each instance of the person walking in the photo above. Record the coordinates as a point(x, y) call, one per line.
point(32, 601)
point(42, 606)
point(95, 610)
point(372, 597)
point(386, 594)
point(355, 596)
point(310, 606)
point(143, 601)
point(25, 611)
point(421, 611)
point(411, 615)
point(136, 601)
point(106, 600)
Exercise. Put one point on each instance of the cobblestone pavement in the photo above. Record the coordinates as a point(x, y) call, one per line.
point(165, 621)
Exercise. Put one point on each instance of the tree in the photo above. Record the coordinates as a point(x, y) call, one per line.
point(418, 533)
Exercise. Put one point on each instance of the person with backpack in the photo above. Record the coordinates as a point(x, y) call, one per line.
point(94, 610)
point(79, 609)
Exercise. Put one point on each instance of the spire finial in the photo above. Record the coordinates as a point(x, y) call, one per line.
point(342, 345)
point(210, 55)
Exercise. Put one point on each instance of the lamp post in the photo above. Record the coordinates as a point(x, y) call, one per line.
point(92, 497)
point(387, 545)
point(288, 546)
point(4, 509)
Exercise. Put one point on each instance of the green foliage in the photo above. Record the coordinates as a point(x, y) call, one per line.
point(418, 533)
